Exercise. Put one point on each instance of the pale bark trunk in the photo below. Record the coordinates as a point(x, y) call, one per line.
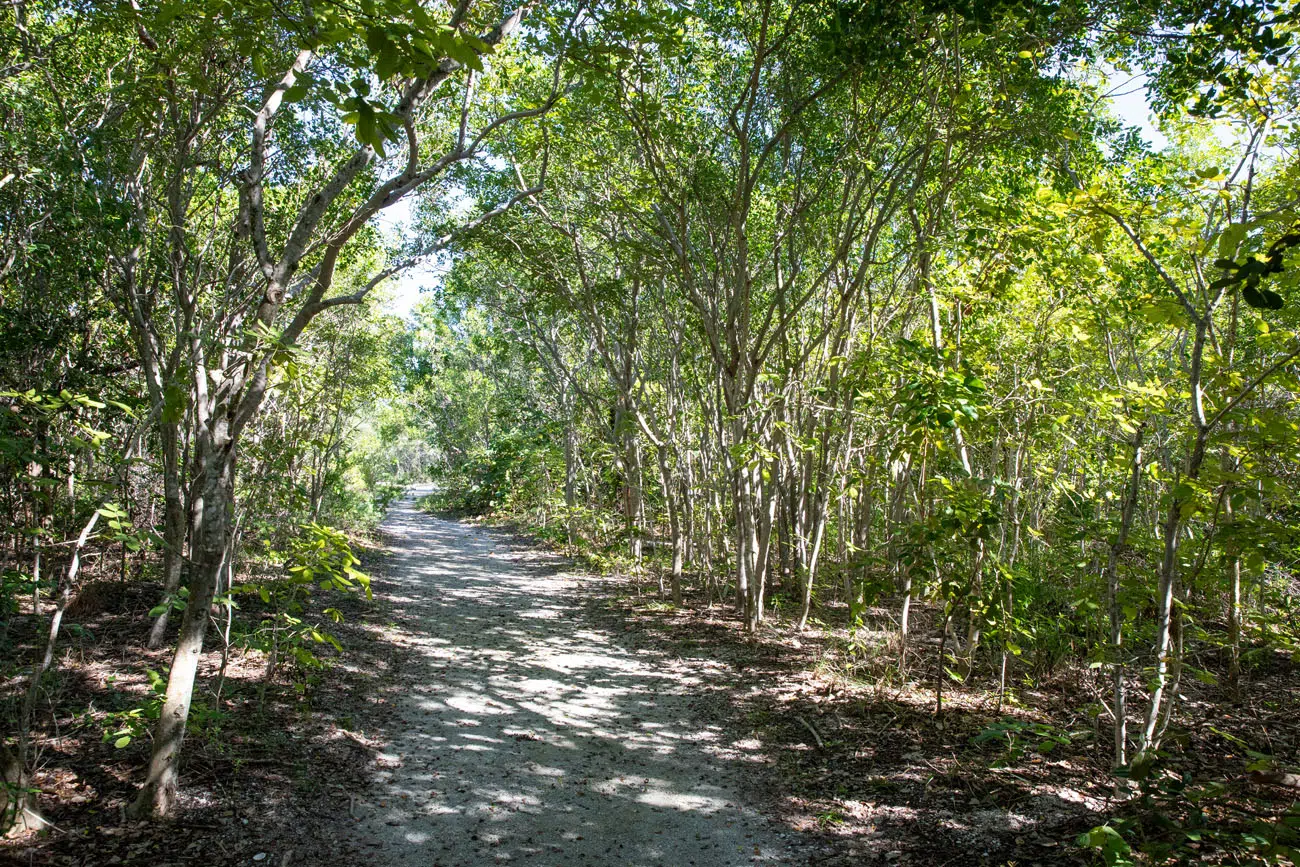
point(765, 518)
point(173, 529)
point(1169, 562)
point(673, 505)
point(814, 548)
point(25, 807)
point(1234, 630)
point(1127, 511)
point(570, 479)
point(158, 794)
point(894, 520)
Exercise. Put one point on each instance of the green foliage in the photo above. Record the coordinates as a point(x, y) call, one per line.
point(317, 559)
point(1018, 737)
point(934, 395)
point(121, 531)
point(510, 475)
point(322, 556)
point(124, 727)
point(121, 728)
point(1110, 846)
point(14, 585)
point(177, 602)
point(1177, 817)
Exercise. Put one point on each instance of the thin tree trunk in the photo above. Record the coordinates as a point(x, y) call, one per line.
point(1234, 629)
point(570, 479)
point(158, 794)
point(27, 804)
point(173, 529)
point(1117, 547)
point(1167, 589)
point(940, 671)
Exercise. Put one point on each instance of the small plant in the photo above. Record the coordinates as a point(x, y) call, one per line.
point(831, 818)
point(118, 524)
point(174, 601)
point(319, 558)
point(1021, 736)
point(123, 727)
point(13, 795)
point(14, 585)
point(322, 556)
point(1177, 818)
point(1109, 844)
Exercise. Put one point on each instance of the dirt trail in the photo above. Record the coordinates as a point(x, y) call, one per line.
point(529, 734)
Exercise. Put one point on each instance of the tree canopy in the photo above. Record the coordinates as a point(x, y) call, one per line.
point(871, 317)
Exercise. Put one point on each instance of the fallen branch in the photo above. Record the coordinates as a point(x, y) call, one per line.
point(821, 745)
point(1275, 778)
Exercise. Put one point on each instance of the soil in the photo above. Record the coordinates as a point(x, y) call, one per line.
point(267, 769)
point(532, 732)
point(494, 704)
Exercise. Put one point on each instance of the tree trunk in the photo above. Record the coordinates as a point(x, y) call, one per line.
point(974, 609)
point(1127, 510)
point(570, 479)
point(26, 806)
point(17, 805)
point(674, 505)
point(173, 529)
point(679, 550)
point(764, 519)
point(1168, 586)
point(1234, 630)
point(158, 794)
point(814, 548)
point(1171, 533)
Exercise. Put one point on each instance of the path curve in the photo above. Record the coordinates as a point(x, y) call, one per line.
point(528, 733)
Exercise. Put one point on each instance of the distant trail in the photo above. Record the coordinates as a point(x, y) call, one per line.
point(530, 735)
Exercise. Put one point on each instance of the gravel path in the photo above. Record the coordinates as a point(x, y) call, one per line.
point(530, 734)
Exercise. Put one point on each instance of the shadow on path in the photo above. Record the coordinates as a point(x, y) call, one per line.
point(527, 734)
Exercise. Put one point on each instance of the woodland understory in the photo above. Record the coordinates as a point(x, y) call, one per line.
point(870, 346)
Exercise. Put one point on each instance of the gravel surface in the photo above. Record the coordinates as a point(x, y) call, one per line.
point(530, 733)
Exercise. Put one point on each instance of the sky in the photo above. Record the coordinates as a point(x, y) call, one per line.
point(1129, 99)
point(404, 292)
point(1128, 96)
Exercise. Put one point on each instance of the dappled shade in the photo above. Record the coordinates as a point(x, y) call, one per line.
point(530, 735)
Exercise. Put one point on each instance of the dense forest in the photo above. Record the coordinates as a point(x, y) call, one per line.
point(865, 327)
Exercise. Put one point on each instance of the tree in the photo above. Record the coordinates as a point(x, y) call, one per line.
point(223, 253)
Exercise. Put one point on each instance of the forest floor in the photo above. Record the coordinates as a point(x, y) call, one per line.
point(268, 766)
point(495, 704)
point(534, 732)
point(489, 708)
point(858, 762)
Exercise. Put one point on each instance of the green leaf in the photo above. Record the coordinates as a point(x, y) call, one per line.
point(1261, 299)
point(168, 12)
point(299, 91)
point(174, 399)
point(465, 55)
point(388, 62)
